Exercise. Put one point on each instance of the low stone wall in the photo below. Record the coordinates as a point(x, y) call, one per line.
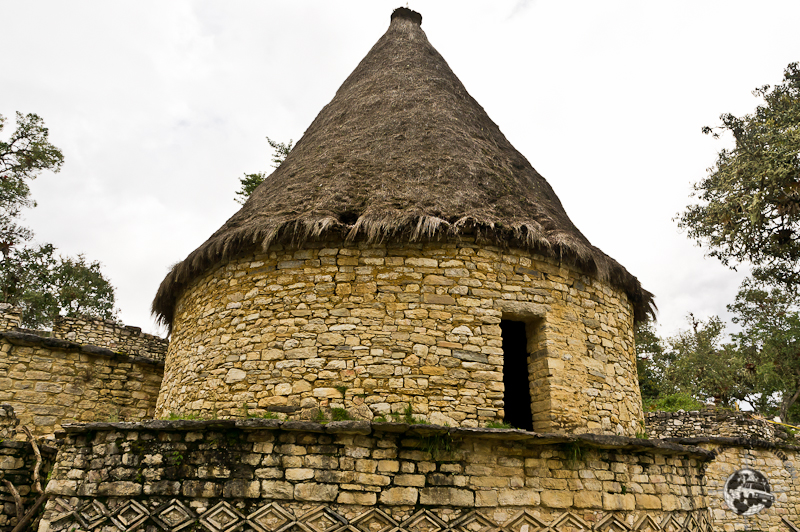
point(17, 461)
point(711, 422)
point(119, 338)
point(10, 317)
point(50, 381)
point(351, 476)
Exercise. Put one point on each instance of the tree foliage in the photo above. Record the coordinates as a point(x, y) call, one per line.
point(699, 362)
point(23, 157)
point(649, 350)
point(44, 284)
point(249, 182)
point(770, 344)
point(759, 365)
point(749, 206)
point(692, 367)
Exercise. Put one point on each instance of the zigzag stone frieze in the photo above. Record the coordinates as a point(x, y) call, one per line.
point(175, 515)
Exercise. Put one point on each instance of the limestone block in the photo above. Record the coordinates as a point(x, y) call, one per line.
point(357, 497)
point(277, 489)
point(556, 499)
point(241, 489)
point(446, 497)
point(119, 489)
point(518, 497)
point(618, 501)
point(399, 496)
point(588, 499)
point(311, 491)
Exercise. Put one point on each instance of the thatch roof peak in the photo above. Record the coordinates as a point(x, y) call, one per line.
point(403, 152)
point(407, 14)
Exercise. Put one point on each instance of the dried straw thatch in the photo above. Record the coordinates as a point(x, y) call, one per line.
point(403, 152)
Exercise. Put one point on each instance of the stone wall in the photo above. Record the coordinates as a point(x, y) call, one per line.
point(119, 338)
point(357, 476)
point(8, 422)
point(377, 329)
point(17, 461)
point(50, 381)
point(776, 464)
point(10, 317)
point(712, 422)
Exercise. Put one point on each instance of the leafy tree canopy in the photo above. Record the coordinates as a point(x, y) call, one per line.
point(649, 351)
point(770, 344)
point(23, 157)
point(35, 278)
point(698, 361)
point(250, 181)
point(749, 206)
point(45, 286)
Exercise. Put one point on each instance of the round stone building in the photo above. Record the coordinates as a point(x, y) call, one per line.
point(404, 260)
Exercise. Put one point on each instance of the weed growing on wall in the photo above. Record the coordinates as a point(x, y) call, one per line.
point(340, 414)
point(575, 454)
point(408, 417)
point(438, 446)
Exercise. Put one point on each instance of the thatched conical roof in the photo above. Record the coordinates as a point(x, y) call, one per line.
point(403, 152)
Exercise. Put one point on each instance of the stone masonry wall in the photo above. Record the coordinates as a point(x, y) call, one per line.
point(264, 475)
point(8, 422)
point(50, 381)
point(10, 317)
point(711, 422)
point(119, 338)
point(17, 461)
point(376, 328)
point(777, 464)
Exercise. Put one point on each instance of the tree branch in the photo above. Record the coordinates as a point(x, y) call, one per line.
point(37, 482)
point(23, 522)
point(17, 498)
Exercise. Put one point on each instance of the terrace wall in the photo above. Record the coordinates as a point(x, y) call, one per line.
point(50, 381)
point(264, 475)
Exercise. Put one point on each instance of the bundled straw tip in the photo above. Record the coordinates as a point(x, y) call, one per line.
point(408, 14)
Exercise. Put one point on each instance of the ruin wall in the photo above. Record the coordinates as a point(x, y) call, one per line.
point(118, 338)
point(50, 381)
point(712, 422)
point(266, 475)
point(377, 329)
point(777, 464)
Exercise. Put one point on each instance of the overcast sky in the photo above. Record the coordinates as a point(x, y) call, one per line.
point(160, 107)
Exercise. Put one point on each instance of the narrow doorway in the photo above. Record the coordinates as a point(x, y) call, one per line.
point(516, 378)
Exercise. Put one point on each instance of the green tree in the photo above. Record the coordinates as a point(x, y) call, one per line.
point(34, 278)
point(749, 206)
point(25, 154)
point(770, 339)
point(249, 182)
point(649, 350)
point(45, 286)
point(698, 362)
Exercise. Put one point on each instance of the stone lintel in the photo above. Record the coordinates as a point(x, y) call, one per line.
point(520, 310)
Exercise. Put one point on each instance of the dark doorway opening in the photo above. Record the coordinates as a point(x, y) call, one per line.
point(517, 397)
